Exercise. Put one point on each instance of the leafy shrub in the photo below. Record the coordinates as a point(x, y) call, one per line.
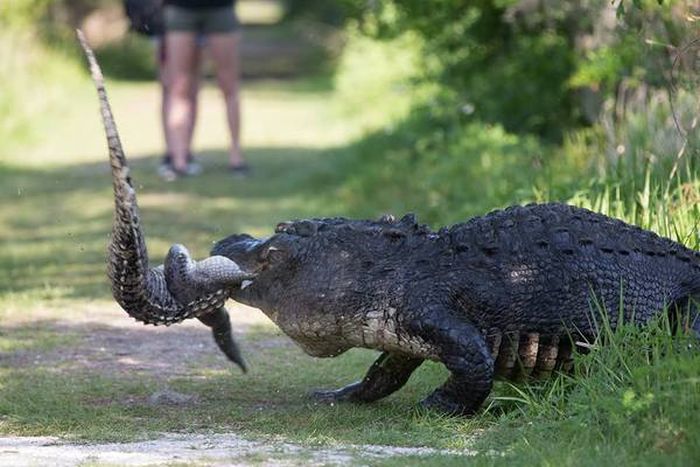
point(444, 169)
point(536, 67)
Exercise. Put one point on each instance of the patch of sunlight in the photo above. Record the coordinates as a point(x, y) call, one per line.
point(181, 201)
point(33, 339)
point(270, 118)
point(203, 372)
point(34, 307)
point(14, 300)
point(165, 200)
point(260, 12)
point(79, 137)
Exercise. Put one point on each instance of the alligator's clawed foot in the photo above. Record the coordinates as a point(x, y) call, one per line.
point(329, 396)
point(441, 403)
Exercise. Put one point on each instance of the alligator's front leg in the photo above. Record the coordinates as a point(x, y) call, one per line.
point(386, 375)
point(463, 350)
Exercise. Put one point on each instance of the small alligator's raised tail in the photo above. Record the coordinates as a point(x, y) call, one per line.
point(163, 295)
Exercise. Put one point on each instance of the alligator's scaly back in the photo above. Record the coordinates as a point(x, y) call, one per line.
point(184, 288)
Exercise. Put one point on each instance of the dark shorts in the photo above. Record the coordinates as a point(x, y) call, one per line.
point(201, 20)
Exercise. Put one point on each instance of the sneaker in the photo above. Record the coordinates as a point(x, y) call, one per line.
point(167, 172)
point(193, 167)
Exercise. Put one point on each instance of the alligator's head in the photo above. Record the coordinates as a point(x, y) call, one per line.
point(313, 267)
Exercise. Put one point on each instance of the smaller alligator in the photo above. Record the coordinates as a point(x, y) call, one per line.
point(506, 294)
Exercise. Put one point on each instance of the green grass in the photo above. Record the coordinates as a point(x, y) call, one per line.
point(633, 401)
point(54, 234)
point(51, 401)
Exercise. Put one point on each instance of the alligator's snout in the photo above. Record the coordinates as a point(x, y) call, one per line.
point(245, 250)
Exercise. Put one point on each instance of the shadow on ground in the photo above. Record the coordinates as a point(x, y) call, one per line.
point(119, 380)
point(55, 225)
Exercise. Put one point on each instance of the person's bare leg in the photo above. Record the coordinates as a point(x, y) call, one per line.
point(181, 67)
point(161, 55)
point(165, 105)
point(194, 95)
point(224, 52)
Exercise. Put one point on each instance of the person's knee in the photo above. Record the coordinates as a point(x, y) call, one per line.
point(231, 96)
point(182, 86)
point(229, 89)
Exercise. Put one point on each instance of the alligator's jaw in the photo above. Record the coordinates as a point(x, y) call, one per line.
point(192, 289)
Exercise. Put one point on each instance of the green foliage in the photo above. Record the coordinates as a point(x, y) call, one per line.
point(602, 68)
point(367, 88)
point(334, 13)
point(444, 168)
point(39, 69)
point(22, 13)
point(486, 55)
point(639, 49)
point(526, 91)
point(525, 64)
point(131, 58)
point(34, 82)
point(49, 14)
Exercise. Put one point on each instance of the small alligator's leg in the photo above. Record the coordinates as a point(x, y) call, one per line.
point(220, 325)
point(386, 375)
point(463, 350)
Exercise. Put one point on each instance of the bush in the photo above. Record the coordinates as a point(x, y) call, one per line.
point(444, 169)
point(537, 67)
point(34, 76)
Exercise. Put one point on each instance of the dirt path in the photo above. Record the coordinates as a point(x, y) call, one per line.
point(221, 449)
point(115, 345)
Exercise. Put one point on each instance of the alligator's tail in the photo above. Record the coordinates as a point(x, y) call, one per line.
point(184, 288)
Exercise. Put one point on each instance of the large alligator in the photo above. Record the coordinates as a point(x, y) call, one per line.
point(506, 294)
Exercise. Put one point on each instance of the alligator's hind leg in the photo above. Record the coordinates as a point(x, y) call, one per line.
point(463, 350)
point(386, 375)
point(220, 325)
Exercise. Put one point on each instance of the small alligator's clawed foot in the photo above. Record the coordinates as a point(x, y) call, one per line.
point(440, 402)
point(329, 396)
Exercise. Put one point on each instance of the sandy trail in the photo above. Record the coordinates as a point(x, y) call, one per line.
point(114, 345)
point(198, 449)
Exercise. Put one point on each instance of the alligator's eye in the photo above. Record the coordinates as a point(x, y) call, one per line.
point(284, 227)
point(269, 253)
